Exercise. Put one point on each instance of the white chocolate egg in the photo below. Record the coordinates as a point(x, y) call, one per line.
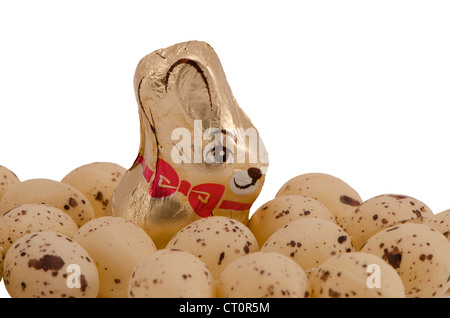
point(419, 254)
point(335, 194)
point(216, 240)
point(356, 275)
point(49, 265)
point(29, 218)
point(7, 180)
point(50, 192)
point(2, 256)
point(97, 181)
point(309, 242)
point(171, 274)
point(381, 212)
point(278, 212)
point(116, 245)
point(263, 275)
point(440, 222)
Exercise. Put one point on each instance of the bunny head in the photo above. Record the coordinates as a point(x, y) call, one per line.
point(199, 154)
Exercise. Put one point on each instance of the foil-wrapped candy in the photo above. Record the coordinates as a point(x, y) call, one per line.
point(199, 154)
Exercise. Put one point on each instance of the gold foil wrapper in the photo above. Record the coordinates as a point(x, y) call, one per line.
point(199, 154)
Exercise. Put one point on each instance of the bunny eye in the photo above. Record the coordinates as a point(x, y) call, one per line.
point(219, 154)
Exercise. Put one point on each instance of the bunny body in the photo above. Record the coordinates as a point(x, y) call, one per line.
point(199, 153)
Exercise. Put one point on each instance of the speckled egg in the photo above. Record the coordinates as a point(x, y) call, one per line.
point(97, 181)
point(49, 265)
point(54, 193)
point(216, 240)
point(29, 218)
point(440, 222)
point(171, 274)
point(7, 180)
point(382, 212)
point(335, 194)
point(419, 254)
point(263, 275)
point(278, 212)
point(116, 245)
point(356, 275)
point(2, 256)
point(309, 242)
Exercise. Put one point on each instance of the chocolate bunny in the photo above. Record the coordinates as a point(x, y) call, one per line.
point(199, 153)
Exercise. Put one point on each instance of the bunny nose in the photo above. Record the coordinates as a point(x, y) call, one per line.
point(254, 173)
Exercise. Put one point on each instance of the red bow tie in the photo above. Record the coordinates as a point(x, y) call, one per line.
point(203, 198)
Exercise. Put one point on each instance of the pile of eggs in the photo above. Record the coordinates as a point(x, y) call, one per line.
point(316, 239)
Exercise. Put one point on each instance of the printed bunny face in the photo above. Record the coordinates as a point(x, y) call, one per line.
point(199, 155)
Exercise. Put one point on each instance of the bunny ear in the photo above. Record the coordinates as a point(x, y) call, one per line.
point(149, 140)
point(183, 83)
point(191, 84)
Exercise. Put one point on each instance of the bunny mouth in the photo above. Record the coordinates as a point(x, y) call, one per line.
point(244, 186)
point(245, 181)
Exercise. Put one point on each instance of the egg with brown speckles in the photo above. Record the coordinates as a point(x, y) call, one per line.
point(263, 275)
point(216, 240)
point(381, 212)
point(49, 265)
point(309, 242)
point(50, 192)
point(339, 197)
point(419, 254)
point(97, 181)
point(7, 180)
point(278, 212)
point(171, 274)
point(440, 222)
point(116, 245)
point(29, 218)
point(2, 256)
point(356, 275)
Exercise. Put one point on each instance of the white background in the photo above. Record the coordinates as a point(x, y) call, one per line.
point(356, 89)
